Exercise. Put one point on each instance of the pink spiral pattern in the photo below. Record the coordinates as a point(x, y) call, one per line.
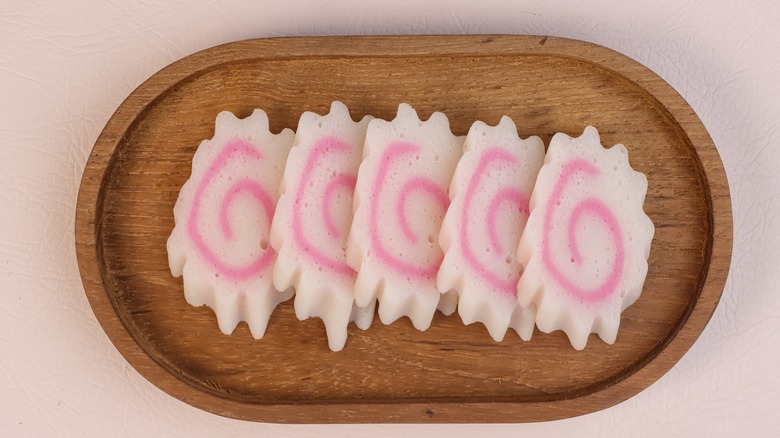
point(506, 283)
point(595, 207)
point(242, 187)
point(341, 181)
point(419, 183)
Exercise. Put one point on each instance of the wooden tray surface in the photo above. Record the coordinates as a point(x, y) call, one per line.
point(451, 372)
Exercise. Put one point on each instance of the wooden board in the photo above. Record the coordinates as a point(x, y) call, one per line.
point(450, 373)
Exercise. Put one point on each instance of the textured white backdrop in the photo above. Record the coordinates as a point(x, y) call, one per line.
point(64, 69)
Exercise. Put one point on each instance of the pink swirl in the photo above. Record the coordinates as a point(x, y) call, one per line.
point(240, 187)
point(589, 205)
point(417, 183)
point(508, 282)
point(339, 182)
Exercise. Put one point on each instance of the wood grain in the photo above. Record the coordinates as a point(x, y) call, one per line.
point(450, 373)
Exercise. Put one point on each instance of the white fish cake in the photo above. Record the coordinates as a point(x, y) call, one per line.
point(313, 218)
point(586, 244)
point(490, 192)
point(400, 201)
point(223, 215)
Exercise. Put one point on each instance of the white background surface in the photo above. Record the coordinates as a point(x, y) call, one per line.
point(66, 66)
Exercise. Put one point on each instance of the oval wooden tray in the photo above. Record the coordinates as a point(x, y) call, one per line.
point(450, 373)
